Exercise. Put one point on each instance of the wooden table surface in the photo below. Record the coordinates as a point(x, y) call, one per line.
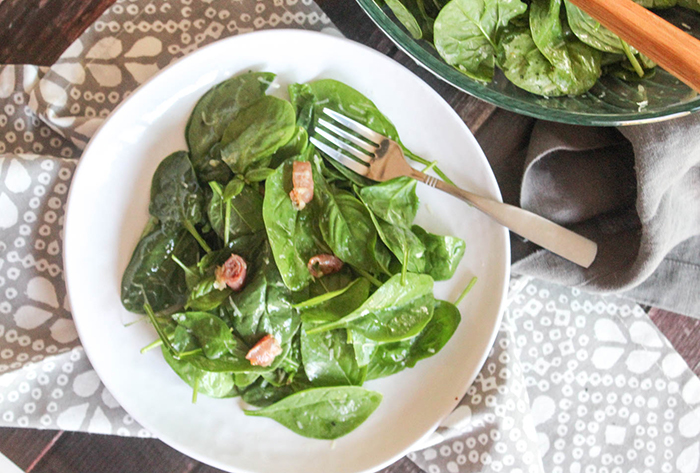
point(38, 31)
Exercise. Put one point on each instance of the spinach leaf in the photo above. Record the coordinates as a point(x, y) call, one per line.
point(576, 66)
point(261, 393)
point(390, 358)
point(152, 276)
point(345, 224)
point(525, 66)
point(414, 16)
point(323, 413)
point(588, 30)
point(348, 101)
point(294, 235)
point(403, 243)
point(212, 334)
point(406, 17)
point(394, 201)
point(466, 33)
point(548, 35)
point(303, 100)
point(691, 4)
point(656, 3)
point(442, 253)
point(331, 283)
point(204, 296)
point(214, 112)
point(245, 217)
point(243, 380)
point(335, 305)
point(296, 146)
point(264, 306)
point(329, 360)
point(256, 133)
point(216, 385)
point(175, 192)
point(396, 311)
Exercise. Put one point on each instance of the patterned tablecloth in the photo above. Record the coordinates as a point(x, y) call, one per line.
point(575, 382)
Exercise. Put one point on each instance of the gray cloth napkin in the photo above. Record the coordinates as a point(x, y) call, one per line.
point(636, 192)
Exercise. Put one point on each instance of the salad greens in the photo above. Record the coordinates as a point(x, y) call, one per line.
point(546, 47)
point(223, 270)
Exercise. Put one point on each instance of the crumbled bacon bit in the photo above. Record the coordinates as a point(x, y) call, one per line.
point(303, 184)
point(321, 265)
point(264, 352)
point(232, 273)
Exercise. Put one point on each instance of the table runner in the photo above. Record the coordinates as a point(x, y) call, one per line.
point(575, 382)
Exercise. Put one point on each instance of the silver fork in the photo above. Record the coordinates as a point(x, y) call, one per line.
point(380, 159)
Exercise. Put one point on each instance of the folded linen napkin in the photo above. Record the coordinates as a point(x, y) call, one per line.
point(636, 192)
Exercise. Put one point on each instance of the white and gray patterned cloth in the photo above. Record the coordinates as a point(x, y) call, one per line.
point(575, 383)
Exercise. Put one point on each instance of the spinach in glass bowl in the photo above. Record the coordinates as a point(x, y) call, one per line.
point(543, 58)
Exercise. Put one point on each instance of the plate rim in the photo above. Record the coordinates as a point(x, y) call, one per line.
point(71, 288)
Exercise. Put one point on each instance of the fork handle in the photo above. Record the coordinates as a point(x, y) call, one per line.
point(539, 230)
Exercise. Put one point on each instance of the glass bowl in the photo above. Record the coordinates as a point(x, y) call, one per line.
point(611, 102)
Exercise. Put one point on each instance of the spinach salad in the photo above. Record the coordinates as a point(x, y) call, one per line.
point(550, 48)
point(275, 275)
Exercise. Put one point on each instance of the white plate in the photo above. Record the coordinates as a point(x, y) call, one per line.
point(108, 208)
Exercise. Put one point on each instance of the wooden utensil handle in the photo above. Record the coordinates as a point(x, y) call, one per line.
point(668, 46)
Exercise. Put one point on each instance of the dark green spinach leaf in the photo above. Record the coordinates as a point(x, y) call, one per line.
point(216, 385)
point(176, 196)
point(245, 217)
point(329, 360)
point(323, 413)
point(525, 66)
point(212, 114)
point(264, 306)
point(152, 276)
point(256, 133)
point(396, 311)
point(442, 253)
point(467, 31)
point(390, 358)
point(345, 224)
point(394, 201)
point(205, 296)
point(294, 235)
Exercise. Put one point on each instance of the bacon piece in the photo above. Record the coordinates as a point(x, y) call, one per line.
point(320, 265)
point(232, 273)
point(264, 352)
point(303, 184)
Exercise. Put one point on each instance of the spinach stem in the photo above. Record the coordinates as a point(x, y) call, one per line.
point(159, 330)
point(195, 388)
point(216, 188)
point(184, 354)
point(134, 322)
point(632, 59)
point(368, 276)
point(187, 270)
point(425, 162)
point(404, 265)
point(227, 220)
point(151, 346)
point(235, 307)
point(322, 298)
point(466, 290)
point(326, 327)
point(193, 231)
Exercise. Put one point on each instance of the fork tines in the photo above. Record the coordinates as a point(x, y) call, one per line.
point(346, 145)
